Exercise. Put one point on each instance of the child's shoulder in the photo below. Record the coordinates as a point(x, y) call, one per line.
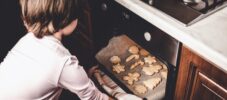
point(46, 46)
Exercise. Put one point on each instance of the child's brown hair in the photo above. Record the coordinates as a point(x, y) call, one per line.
point(45, 17)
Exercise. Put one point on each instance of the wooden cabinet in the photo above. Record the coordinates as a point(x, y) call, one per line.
point(198, 79)
point(206, 89)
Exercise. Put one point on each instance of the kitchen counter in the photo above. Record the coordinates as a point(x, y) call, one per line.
point(207, 37)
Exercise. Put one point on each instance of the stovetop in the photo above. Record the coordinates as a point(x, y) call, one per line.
point(187, 13)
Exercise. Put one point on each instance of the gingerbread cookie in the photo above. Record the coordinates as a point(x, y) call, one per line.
point(131, 77)
point(164, 67)
point(133, 50)
point(115, 59)
point(140, 62)
point(143, 52)
point(152, 69)
point(164, 73)
point(152, 83)
point(134, 56)
point(150, 60)
point(141, 89)
point(118, 68)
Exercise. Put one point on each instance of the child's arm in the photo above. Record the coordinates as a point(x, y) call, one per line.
point(75, 79)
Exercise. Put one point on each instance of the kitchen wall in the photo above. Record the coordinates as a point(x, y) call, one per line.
point(11, 26)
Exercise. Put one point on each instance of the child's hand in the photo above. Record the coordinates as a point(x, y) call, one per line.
point(92, 70)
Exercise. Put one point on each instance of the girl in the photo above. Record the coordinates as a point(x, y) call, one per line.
point(39, 66)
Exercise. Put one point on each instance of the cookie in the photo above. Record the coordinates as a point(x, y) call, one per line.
point(164, 73)
point(115, 59)
point(134, 56)
point(118, 68)
point(133, 50)
point(138, 63)
point(150, 60)
point(164, 67)
point(131, 78)
point(144, 52)
point(141, 89)
point(152, 69)
point(152, 83)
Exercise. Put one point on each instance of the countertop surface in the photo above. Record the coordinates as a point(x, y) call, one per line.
point(207, 38)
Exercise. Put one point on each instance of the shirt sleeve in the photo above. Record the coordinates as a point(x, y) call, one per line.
point(75, 79)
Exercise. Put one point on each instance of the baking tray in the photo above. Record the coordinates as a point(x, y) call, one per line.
point(118, 46)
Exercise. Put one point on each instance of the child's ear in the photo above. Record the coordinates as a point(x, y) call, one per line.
point(70, 28)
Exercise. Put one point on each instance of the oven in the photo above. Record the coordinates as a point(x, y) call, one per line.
point(115, 30)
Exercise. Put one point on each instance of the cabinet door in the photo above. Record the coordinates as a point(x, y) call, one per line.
point(207, 89)
point(198, 79)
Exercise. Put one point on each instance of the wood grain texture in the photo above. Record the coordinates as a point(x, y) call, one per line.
point(198, 79)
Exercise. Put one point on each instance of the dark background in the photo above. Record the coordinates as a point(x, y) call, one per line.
point(11, 26)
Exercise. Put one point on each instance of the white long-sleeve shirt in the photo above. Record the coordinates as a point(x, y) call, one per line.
point(40, 68)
